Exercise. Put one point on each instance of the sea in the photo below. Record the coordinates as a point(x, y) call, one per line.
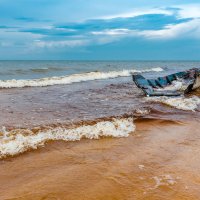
point(67, 126)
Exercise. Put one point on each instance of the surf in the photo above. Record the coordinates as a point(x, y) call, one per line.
point(74, 78)
point(18, 141)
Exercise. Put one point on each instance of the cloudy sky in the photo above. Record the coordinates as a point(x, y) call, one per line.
point(100, 29)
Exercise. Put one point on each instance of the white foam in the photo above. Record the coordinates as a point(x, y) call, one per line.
point(141, 167)
point(164, 180)
point(18, 141)
point(74, 78)
point(142, 111)
point(176, 85)
point(182, 103)
point(180, 84)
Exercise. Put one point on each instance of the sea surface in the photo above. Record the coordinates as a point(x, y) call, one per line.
point(43, 69)
point(83, 130)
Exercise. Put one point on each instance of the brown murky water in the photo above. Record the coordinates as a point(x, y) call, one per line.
point(29, 107)
point(159, 160)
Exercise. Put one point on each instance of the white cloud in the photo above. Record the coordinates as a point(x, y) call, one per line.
point(61, 43)
point(112, 32)
point(137, 12)
point(185, 11)
point(189, 29)
point(189, 11)
point(186, 29)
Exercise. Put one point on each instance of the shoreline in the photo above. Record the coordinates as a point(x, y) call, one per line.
point(154, 156)
point(155, 161)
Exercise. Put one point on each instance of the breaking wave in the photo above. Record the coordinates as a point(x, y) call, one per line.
point(20, 140)
point(180, 85)
point(74, 78)
point(182, 103)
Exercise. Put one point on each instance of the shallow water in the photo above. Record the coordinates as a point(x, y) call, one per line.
point(125, 146)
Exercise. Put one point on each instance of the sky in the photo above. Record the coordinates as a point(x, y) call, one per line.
point(99, 30)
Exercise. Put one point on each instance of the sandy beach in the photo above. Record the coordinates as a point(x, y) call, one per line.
point(158, 161)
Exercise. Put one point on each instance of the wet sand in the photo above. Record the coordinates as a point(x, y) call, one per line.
point(160, 160)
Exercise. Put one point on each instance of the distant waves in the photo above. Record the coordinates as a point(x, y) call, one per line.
point(74, 78)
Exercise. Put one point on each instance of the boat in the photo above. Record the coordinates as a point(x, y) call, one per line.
point(158, 86)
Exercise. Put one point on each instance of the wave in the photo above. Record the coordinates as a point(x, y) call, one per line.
point(40, 70)
point(182, 103)
point(74, 78)
point(47, 69)
point(180, 85)
point(20, 140)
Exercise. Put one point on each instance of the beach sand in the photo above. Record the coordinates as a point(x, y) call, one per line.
point(160, 160)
